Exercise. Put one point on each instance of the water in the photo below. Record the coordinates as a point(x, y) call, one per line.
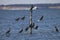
point(46, 30)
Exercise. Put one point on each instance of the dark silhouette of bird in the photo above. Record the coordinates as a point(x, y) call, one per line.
point(8, 31)
point(23, 18)
point(32, 25)
point(26, 28)
point(36, 27)
point(21, 31)
point(56, 29)
point(31, 7)
point(17, 19)
point(41, 18)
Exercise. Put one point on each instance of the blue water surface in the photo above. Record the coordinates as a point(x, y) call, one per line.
point(45, 31)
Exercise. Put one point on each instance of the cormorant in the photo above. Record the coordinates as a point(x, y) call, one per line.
point(56, 29)
point(8, 31)
point(32, 25)
point(26, 28)
point(23, 18)
point(36, 27)
point(32, 7)
point(17, 19)
point(41, 18)
point(21, 31)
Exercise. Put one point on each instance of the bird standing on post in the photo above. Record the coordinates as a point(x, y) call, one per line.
point(32, 25)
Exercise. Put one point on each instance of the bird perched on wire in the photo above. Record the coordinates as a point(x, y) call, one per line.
point(23, 18)
point(36, 27)
point(56, 29)
point(21, 31)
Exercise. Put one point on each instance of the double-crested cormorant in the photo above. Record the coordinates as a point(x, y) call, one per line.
point(41, 18)
point(21, 31)
point(31, 7)
point(32, 25)
point(56, 29)
point(17, 19)
point(8, 31)
point(26, 28)
point(36, 27)
point(23, 18)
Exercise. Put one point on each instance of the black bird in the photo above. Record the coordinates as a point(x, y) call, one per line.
point(21, 31)
point(23, 18)
point(56, 29)
point(17, 19)
point(32, 25)
point(31, 7)
point(41, 18)
point(26, 28)
point(8, 31)
point(36, 27)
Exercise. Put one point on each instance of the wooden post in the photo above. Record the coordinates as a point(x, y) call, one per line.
point(31, 19)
